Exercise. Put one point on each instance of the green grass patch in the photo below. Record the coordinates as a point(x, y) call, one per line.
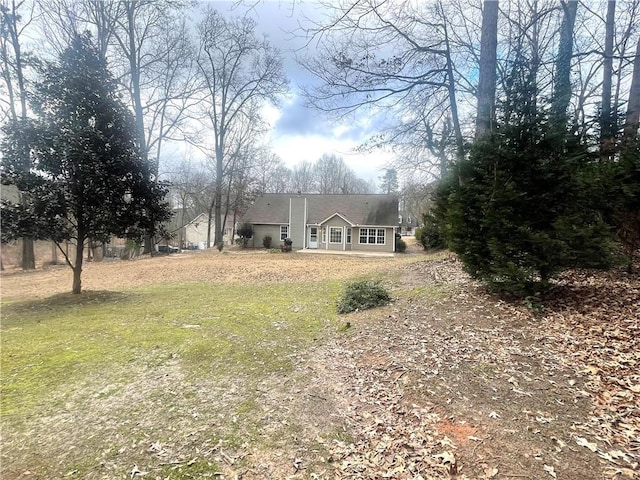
point(54, 345)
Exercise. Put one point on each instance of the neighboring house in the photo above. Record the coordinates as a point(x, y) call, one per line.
point(407, 223)
point(194, 233)
point(329, 222)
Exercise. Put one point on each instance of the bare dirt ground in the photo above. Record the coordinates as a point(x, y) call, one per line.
point(446, 382)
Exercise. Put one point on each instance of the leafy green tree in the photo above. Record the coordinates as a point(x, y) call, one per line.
point(520, 212)
point(87, 179)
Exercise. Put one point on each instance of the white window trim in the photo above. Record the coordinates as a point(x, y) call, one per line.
point(338, 229)
point(367, 235)
point(286, 234)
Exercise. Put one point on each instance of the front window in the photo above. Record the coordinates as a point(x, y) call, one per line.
point(335, 235)
point(348, 235)
point(372, 236)
point(324, 235)
point(284, 232)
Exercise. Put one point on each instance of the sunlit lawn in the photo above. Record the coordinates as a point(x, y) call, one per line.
point(62, 354)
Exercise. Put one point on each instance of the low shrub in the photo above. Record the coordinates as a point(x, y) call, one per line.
point(401, 245)
point(266, 241)
point(362, 295)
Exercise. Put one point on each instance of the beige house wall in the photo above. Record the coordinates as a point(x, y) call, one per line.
point(260, 231)
point(336, 222)
point(387, 247)
point(195, 234)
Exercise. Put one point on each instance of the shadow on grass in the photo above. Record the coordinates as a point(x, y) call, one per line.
point(12, 312)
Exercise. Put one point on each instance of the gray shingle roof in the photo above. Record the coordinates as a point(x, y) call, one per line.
point(357, 209)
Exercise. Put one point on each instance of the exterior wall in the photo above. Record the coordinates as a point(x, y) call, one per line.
point(387, 247)
point(260, 231)
point(338, 222)
point(195, 234)
point(297, 221)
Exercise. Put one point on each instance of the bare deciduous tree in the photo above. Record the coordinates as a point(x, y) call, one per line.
point(15, 19)
point(302, 177)
point(488, 66)
point(236, 69)
point(632, 120)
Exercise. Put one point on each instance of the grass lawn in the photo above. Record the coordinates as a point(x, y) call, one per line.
point(154, 378)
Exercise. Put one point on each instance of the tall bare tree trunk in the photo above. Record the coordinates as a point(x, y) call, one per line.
point(632, 120)
point(488, 65)
point(607, 125)
point(210, 219)
point(133, 52)
point(10, 17)
point(562, 87)
point(451, 87)
point(218, 196)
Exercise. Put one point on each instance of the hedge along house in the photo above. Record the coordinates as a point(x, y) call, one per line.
point(329, 222)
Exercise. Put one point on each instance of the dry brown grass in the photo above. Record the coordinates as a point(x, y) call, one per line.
point(235, 266)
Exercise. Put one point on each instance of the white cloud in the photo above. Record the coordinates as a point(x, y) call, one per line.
point(293, 149)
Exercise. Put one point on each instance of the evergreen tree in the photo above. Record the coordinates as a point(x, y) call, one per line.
point(88, 180)
point(389, 181)
point(520, 214)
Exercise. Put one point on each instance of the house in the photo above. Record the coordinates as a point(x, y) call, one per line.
point(407, 223)
point(330, 222)
point(194, 233)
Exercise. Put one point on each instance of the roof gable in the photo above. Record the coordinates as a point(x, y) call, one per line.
point(337, 214)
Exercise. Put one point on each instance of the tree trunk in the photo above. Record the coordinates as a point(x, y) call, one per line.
point(562, 87)
point(77, 267)
point(607, 130)
point(10, 19)
point(632, 120)
point(488, 66)
point(209, 220)
point(28, 254)
point(453, 103)
point(218, 198)
point(149, 241)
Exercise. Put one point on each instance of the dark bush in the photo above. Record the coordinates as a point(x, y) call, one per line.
point(401, 245)
point(245, 232)
point(362, 295)
point(266, 241)
point(431, 237)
